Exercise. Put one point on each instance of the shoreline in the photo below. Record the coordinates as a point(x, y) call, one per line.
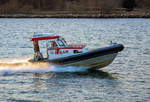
point(75, 15)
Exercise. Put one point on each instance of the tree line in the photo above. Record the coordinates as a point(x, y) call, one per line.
point(72, 5)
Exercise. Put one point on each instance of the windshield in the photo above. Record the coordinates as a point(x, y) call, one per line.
point(60, 43)
point(57, 43)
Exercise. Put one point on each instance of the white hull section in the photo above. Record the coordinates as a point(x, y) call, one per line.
point(95, 63)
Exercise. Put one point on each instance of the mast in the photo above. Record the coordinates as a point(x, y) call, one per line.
point(36, 46)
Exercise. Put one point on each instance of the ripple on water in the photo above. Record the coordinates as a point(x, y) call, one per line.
point(126, 79)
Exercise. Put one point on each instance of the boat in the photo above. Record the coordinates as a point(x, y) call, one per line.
point(61, 53)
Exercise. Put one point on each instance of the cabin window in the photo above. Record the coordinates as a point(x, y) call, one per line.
point(51, 44)
point(54, 44)
point(63, 40)
point(60, 43)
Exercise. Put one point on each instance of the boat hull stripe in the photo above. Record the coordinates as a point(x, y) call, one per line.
point(115, 48)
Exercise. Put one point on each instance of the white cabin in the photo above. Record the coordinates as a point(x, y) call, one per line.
point(57, 47)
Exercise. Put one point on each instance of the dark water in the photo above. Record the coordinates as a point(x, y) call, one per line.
point(127, 79)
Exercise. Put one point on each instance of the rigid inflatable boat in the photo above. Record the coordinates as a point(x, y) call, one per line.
point(59, 52)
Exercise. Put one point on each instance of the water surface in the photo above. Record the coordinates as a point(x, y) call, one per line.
point(126, 79)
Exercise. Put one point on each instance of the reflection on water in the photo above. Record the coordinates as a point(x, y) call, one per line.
point(97, 74)
point(50, 76)
point(54, 84)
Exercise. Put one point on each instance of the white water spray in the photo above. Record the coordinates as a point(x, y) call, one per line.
point(17, 65)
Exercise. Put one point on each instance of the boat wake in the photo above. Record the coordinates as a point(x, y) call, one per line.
point(21, 65)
